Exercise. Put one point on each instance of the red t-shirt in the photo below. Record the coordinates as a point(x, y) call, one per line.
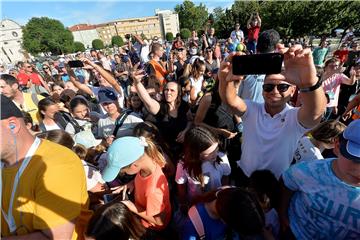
point(24, 78)
point(341, 55)
point(253, 33)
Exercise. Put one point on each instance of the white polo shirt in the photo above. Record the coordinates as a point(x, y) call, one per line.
point(269, 142)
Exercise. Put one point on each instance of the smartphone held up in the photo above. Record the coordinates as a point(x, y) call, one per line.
point(76, 64)
point(267, 63)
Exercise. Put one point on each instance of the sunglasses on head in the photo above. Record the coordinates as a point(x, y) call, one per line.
point(282, 87)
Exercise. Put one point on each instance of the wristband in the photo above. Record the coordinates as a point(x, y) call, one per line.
point(312, 88)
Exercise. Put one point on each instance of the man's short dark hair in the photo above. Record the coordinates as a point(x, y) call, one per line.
point(267, 41)
point(9, 79)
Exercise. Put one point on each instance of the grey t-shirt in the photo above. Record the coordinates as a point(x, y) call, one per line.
point(106, 126)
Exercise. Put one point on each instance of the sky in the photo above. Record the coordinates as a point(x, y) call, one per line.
point(91, 12)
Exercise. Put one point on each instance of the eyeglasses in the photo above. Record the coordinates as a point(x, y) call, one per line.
point(282, 87)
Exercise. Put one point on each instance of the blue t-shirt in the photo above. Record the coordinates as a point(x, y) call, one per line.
point(251, 88)
point(323, 206)
point(215, 229)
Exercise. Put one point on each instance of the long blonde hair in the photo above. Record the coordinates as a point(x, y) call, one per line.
point(153, 151)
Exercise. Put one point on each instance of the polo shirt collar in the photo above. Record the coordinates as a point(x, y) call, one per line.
point(280, 114)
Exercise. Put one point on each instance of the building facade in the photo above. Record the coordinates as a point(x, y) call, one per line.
point(85, 34)
point(106, 31)
point(169, 21)
point(148, 26)
point(11, 42)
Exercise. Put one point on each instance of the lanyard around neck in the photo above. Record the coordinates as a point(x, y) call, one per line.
point(9, 218)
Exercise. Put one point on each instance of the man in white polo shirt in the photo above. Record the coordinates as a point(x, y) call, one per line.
point(273, 128)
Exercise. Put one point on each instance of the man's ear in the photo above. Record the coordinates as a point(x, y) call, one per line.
point(292, 90)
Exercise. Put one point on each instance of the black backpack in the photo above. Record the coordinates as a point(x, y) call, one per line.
point(62, 119)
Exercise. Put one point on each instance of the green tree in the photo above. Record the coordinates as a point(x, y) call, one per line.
point(47, 35)
point(191, 16)
point(97, 44)
point(169, 36)
point(79, 47)
point(117, 40)
point(185, 33)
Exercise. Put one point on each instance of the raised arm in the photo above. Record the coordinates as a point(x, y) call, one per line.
point(227, 88)
point(258, 19)
point(151, 104)
point(352, 80)
point(300, 71)
point(105, 74)
point(138, 39)
point(83, 87)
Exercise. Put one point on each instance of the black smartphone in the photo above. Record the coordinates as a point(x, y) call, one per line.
point(76, 64)
point(267, 63)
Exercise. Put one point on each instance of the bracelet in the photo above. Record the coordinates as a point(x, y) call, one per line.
point(312, 88)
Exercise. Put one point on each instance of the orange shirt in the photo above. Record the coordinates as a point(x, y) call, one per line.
point(152, 194)
point(160, 72)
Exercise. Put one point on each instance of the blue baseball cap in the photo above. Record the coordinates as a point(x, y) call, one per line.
point(350, 142)
point(121, 153)
point(107, 95)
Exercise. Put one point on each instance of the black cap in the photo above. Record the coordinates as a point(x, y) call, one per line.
point(9, 109)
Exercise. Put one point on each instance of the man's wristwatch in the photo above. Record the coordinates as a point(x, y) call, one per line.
point(312, 88)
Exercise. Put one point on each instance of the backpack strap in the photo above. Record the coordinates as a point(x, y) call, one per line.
point(76, 125)
point(197, 222)
point(120, 121)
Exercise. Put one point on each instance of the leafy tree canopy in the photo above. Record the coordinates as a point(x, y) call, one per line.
point(47, 35)
point(117, 40)
point(97, 44)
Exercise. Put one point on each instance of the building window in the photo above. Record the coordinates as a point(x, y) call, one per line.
point(5, 42)
point(15, 34)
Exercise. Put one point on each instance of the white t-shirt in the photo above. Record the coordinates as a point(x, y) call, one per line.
point(213, 173)
point(144, 52)
point(306, 151)
point(51, 127)
point(93, 175)
point(269, 142)
point(197, 84)
point(237, 36)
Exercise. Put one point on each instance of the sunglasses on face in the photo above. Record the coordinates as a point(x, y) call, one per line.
point(282, 87)
point(45, 68)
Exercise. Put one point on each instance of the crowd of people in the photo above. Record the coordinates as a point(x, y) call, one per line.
point(161, 140)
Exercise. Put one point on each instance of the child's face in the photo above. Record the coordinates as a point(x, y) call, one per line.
point(210, 154)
